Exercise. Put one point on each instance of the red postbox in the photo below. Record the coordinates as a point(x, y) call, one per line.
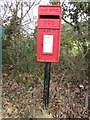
point(48, 37)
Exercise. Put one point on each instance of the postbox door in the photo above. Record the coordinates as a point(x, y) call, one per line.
point(48, 45)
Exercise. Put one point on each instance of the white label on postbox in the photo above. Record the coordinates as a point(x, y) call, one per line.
point(48, 44)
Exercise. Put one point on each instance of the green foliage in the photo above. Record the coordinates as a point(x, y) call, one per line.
point(68, 41)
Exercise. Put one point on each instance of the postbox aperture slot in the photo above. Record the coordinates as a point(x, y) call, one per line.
point(49, 17)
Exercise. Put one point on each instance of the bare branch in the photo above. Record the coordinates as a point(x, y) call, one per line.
point(29, 7)
point(68, 22)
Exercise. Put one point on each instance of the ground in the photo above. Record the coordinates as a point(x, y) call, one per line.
point(67, 99)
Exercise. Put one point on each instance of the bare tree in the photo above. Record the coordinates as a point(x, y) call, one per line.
point(19, 11)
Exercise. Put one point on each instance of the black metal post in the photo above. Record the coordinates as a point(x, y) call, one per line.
point(46, 84)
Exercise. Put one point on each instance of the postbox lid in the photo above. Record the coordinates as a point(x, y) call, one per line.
point(50, 10)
